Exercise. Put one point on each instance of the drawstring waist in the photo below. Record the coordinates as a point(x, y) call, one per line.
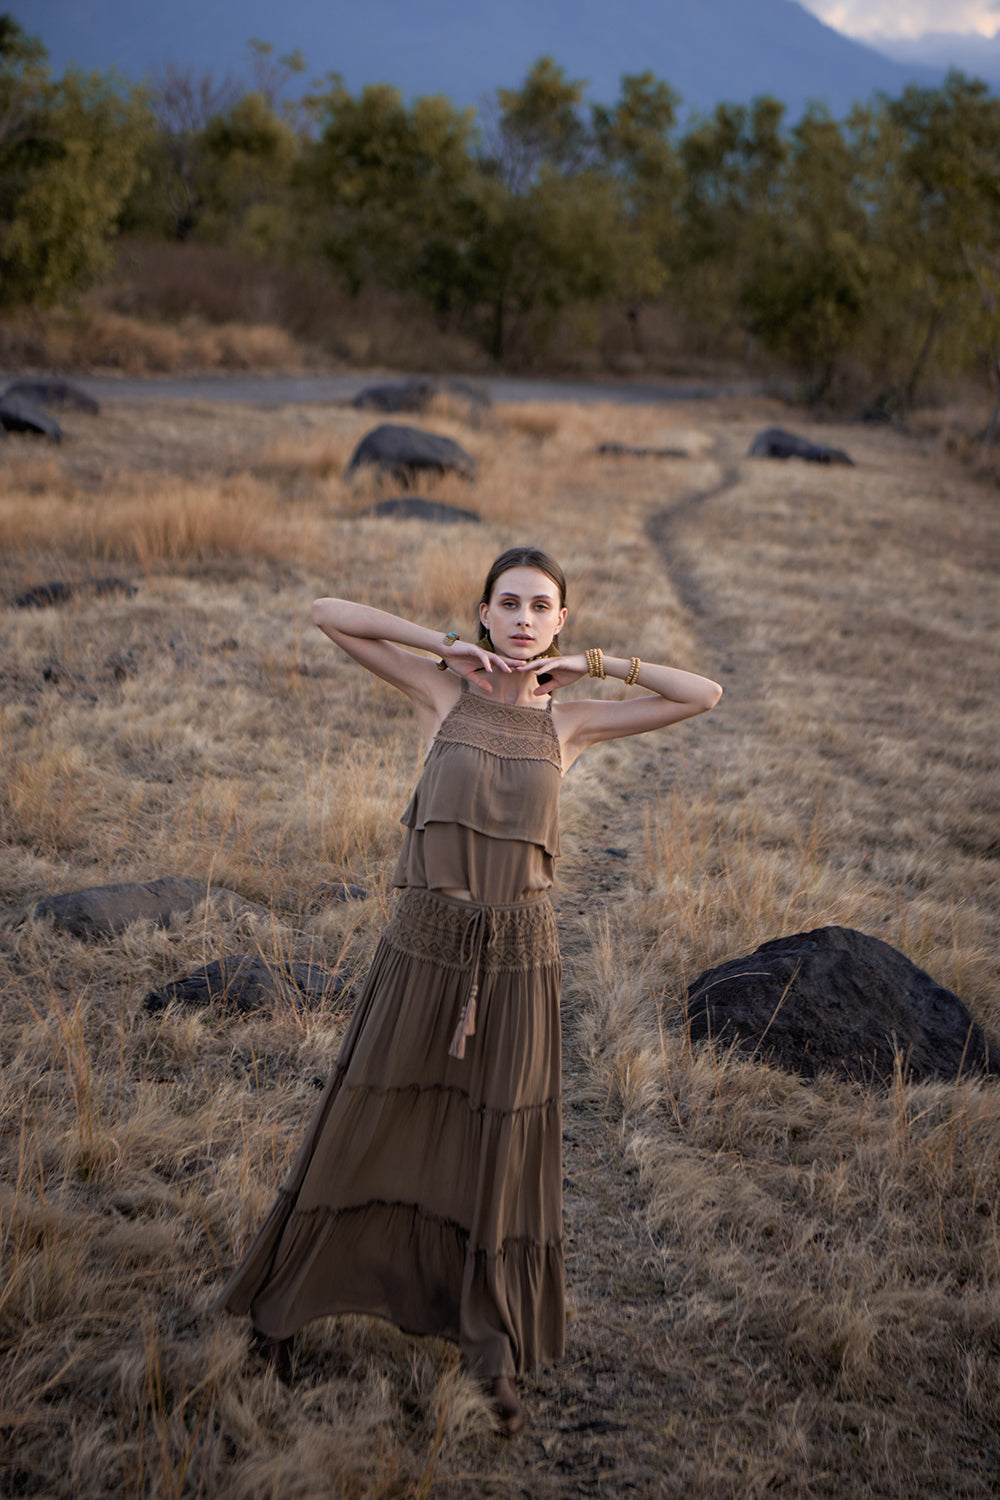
point(476, 934)
point(474, 938)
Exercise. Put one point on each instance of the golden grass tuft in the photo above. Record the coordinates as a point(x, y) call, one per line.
point(156, 524)
point(94, 338)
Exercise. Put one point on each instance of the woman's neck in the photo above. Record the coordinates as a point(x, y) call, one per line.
point(516, 690)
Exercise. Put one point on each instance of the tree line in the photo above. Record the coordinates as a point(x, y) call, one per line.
point(871, 242)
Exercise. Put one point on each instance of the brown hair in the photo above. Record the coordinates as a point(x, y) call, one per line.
point(524, 557)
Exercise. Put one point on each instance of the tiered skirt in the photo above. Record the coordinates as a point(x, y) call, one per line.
point(428, 1189)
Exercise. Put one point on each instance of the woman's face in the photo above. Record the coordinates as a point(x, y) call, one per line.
point(524, 614)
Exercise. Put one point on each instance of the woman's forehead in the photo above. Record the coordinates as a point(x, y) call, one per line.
point(529, 583)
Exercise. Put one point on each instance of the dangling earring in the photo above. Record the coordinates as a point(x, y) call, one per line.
point(484, 640)
point(553, 649)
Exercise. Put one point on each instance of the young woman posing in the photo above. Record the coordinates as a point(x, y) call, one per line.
point(428, 1189)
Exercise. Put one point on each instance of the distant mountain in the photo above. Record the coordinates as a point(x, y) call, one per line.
point(708, 50)
point(979, 56)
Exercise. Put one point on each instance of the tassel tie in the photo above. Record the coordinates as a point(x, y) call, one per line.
point(475, 935)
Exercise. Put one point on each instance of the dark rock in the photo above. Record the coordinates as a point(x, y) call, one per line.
point(405, 452)
point(244, 983)
point(625, 450)
point(340, 892)
point(416, 508)
point(20, 415)
point(102, 910)
point(837, 1000)
point(416, 395)
point(777, 443)
point(54, 393)
point(61, 591)
point(617, 853)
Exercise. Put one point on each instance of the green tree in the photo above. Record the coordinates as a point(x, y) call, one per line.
point(634, 138)
point(244, 177)
point(386, 188)
point(551, 227)
point(537, 128)
point(806, 288)
point(168, 198)
point(950, 161)
point(732, 165)
point(219, 164)
point(69, 151)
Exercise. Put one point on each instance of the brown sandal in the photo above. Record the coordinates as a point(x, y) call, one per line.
point(506, 1405)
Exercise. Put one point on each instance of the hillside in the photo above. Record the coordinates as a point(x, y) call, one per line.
point(717, 49)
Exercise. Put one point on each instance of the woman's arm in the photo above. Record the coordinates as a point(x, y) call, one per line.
point(376, 639)
point(672, 695)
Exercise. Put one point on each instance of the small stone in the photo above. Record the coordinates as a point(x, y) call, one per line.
point(416, 508)
point(775, 442)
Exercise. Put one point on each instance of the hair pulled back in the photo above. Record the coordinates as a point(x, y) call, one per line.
point(524, 557)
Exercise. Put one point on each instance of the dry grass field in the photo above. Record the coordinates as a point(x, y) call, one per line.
point(775, 1287)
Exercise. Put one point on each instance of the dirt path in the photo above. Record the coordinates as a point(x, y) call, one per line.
point(600, 1423)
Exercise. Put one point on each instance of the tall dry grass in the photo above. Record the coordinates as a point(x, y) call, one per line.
point(805, 1276)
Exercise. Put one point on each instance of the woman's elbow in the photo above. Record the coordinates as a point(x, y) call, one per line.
point(710, 697)
point(324, 613)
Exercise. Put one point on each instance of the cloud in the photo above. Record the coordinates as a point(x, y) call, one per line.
point(912, 18)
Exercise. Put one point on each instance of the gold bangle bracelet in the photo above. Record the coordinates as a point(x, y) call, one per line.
point(595, 662)
point(633, 671)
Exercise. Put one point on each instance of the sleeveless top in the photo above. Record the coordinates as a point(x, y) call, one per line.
point(485, 813)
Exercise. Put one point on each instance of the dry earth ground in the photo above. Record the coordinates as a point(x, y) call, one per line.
point(775, 1287)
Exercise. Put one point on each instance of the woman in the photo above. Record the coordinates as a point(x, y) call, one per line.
point(428, 1188)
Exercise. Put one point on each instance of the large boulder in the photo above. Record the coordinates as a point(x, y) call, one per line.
point(837, 1000)
point(775, 442)
point(54, 393)
point(100, 911)
point(246, 982)
point(406, 452)
point(416, 508)
point(418, 394)
point(17, 414)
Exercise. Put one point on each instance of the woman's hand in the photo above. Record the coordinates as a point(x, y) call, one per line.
point(559, 671)
point(467, 660)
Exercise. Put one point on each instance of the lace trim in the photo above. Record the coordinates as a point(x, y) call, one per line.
point(461, 935)
point(501, 729)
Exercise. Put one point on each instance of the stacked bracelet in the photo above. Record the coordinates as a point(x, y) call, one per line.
point(595, 662)
point(633, 671)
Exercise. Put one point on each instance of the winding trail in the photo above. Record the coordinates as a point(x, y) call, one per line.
point(600, 1422)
